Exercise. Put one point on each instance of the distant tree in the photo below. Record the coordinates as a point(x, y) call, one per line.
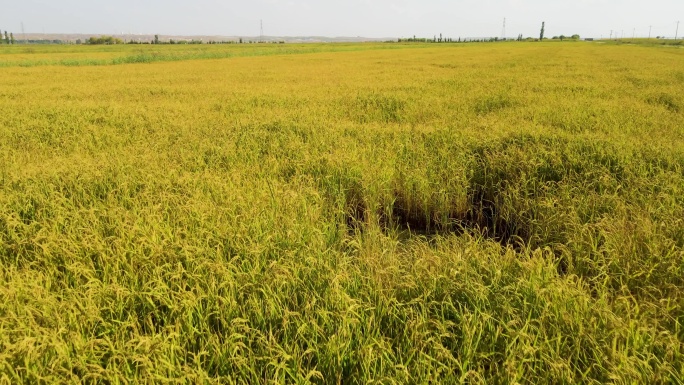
point(11, 38)
point(240, 40)
point(79, 41)
point(156, 39)
point(7, 39)
point(575, 37)
point(541, 34)
point(103, 40)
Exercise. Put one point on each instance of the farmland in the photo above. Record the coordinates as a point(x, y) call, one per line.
point(343, 214)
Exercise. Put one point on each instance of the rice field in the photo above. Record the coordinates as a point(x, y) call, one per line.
point(342, 214)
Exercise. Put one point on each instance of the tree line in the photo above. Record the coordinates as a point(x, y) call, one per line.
point(113, 40)
point(108, 40)
point(472, 40)
point(7, 38)
point(520, 37)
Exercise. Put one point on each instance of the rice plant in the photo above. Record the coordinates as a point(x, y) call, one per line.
point(351, 214)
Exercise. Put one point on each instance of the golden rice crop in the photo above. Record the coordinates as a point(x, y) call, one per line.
point(480, 213)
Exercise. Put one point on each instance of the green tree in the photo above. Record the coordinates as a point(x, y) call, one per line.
point(104, 40)
point(7, 39)
point(541, 34)
point(11, 38)
point(156, 39)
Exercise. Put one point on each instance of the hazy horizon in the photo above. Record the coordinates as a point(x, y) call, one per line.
point(366, 18)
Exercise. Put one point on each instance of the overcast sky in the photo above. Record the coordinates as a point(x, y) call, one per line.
point(367, 18)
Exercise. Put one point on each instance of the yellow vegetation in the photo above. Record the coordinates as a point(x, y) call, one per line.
point(501, 213)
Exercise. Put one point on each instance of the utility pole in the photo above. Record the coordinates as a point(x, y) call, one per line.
point(503, 31)
point(261, 36)
point(611, 34)
point(24, 33)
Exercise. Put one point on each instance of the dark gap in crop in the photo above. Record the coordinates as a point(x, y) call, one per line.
point(485, 214)
point(666, 100)
point(356, 209)
point(484, 217)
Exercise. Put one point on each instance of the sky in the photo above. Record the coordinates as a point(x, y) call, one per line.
point(332, 18)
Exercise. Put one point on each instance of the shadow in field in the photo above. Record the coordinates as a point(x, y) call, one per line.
point(483, 217)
